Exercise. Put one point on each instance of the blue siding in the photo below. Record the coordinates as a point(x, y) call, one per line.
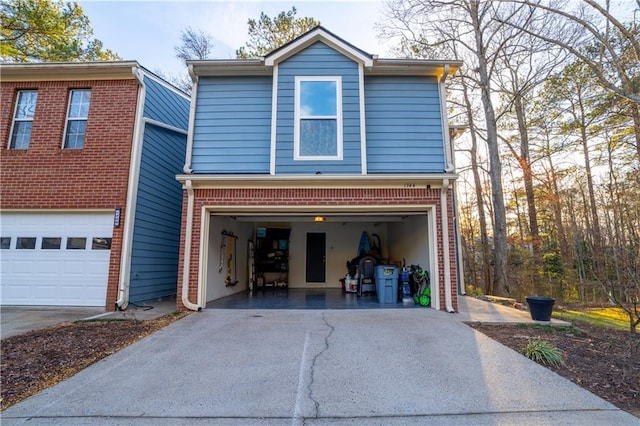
point(318, 60)
point(404, 128)
point(232, 131)
point(156, 235)
point(164, 105)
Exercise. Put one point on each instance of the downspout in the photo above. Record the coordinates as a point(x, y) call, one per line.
point(192, 118)
point(187, 249)
point(446, 257)
point(132, 189)
point(445, 122)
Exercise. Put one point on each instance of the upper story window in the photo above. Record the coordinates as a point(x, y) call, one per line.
point(318, 118)
point(23, 119)
point(77, 115)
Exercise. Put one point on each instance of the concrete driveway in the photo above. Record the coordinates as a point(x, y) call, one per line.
point(320, 367)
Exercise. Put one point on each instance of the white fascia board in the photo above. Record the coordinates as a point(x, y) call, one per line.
point(317, 181)
point(229, 67)
point(434, 68)
point(318, 35)
point(68, 71)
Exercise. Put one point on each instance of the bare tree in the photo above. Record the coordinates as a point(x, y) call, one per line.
point(194, 44)
point(615, 65)
point(475, 28)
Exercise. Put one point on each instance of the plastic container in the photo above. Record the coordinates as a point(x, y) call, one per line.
point(387, 283)
point(540, 307)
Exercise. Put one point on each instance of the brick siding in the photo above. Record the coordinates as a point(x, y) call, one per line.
point(45, 176)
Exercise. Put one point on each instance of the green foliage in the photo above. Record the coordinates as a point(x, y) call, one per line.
point(543, 353)
point(44, 31)
point(267, 34)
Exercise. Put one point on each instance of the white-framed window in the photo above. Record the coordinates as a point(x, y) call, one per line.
point(77, 115)
point(317, 129)
point(23, 119)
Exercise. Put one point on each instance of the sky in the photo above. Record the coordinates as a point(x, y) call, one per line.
point(148, 31)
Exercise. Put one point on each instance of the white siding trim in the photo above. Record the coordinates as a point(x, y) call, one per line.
point(434, 271)
point(203, 264)
point(192, 119)
point(338, 118)
point(165, 126)
point(274, 121)
point(363, 125)
point(444, 116)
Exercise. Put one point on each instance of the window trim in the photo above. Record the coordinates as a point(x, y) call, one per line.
point(298, 117)
point(15, 112)
point(69, 119)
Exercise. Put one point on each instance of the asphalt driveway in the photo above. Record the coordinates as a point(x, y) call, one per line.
point(317, 367)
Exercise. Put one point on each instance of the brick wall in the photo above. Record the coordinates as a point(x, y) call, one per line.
point(317, 197)
point(45, 176)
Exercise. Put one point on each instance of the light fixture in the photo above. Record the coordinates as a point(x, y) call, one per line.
point(318, 219)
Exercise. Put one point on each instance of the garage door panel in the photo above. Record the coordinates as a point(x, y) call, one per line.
point(49, 267)
point(57, 276)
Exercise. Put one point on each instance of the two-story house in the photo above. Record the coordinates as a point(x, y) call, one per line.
point(90, 208)
point(306, 148)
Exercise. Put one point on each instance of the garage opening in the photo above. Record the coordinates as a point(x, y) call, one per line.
point(281, 260)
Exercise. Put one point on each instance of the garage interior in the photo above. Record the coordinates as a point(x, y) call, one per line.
point(301, 261)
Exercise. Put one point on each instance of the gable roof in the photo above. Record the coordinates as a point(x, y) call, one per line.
point(371, 63)
point(312, 36)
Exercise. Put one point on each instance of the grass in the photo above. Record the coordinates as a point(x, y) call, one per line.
point(543, 353)
point(607, 317)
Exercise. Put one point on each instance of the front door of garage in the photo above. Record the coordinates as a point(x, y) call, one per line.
point(316, 257)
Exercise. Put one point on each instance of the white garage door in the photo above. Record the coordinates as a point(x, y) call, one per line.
point(55, 258)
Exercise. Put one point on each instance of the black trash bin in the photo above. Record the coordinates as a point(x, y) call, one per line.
point(540, 307)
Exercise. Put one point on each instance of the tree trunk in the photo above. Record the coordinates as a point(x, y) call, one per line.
point(484, 237)
point(525, 163)
point(500, 281)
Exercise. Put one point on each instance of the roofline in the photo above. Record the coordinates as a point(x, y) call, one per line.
point(379, 66)
point(67, 71)
point(318, 33)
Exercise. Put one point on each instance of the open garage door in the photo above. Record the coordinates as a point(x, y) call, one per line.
point(55, 259)
point(408, 235)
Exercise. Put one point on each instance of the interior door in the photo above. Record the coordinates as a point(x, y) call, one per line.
point(316, 257)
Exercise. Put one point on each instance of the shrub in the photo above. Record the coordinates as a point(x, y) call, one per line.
point(543, 353)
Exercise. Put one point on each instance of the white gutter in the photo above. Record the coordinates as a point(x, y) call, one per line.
point(192, 118)
point(446, 255)
point(445, 122)
point(187, 251)
point(132, 189)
